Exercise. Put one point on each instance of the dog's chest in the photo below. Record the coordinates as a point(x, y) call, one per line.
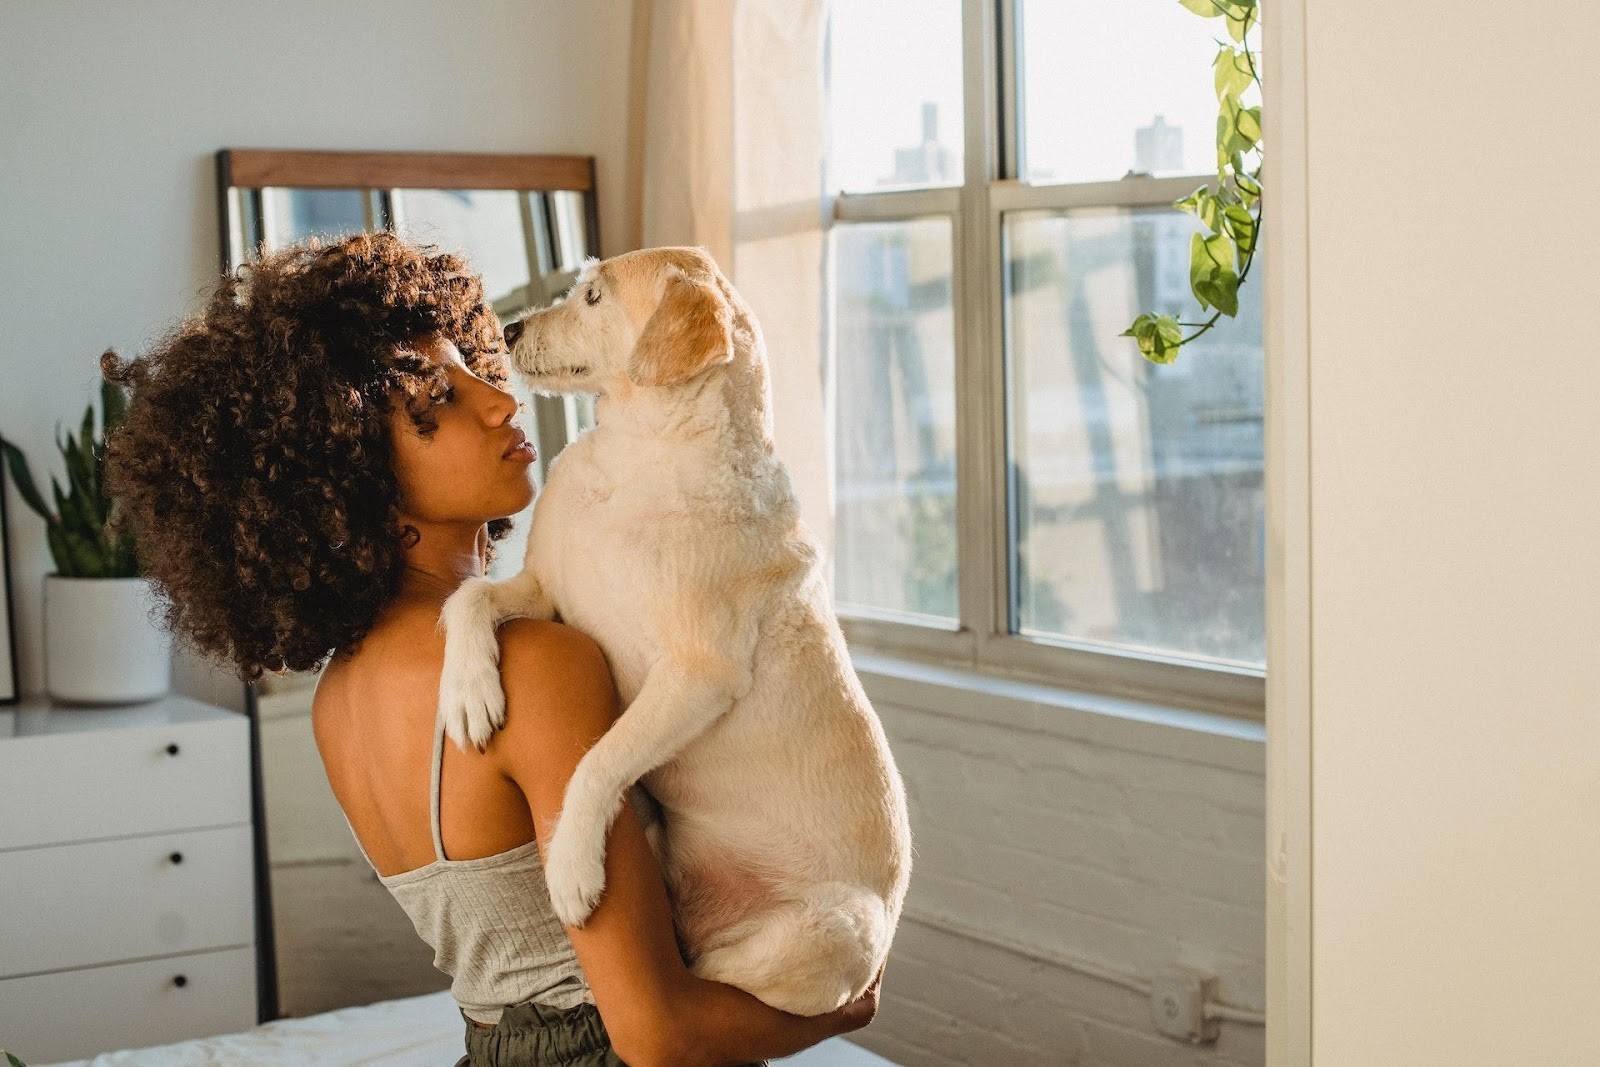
point(603, 548)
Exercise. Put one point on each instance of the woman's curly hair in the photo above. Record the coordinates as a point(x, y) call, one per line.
point(254, 463)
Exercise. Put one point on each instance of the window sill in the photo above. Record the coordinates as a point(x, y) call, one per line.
point(1137, 726)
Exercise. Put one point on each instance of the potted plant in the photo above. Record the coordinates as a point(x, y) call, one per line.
point(102, 641)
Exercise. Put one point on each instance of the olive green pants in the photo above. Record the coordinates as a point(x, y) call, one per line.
point(537, 1035)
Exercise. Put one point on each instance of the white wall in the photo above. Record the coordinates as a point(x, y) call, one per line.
point(110, 114)
point(1060, 840)
point(1455, 517)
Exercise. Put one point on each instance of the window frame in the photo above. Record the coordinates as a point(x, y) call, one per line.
point(992, 162)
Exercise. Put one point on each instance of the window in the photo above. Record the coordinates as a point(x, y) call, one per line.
point(1016, 487)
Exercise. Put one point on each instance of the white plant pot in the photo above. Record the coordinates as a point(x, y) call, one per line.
point(102, 641)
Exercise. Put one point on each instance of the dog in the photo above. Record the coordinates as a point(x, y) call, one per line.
point(670, 533)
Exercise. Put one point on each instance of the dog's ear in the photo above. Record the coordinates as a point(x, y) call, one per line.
point(690, 332)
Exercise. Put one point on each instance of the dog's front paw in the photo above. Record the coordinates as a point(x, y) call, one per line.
point(575, 870)
point(472, 705)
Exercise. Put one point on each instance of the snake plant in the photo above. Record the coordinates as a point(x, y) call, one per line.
point(76, 527)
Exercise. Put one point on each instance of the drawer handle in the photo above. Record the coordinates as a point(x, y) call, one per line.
point(176, 857)
point(180, 981)
point(172, 749)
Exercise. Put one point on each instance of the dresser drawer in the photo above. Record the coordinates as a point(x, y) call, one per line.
point(108, 901)
point(76, 1014)
point(78, 786)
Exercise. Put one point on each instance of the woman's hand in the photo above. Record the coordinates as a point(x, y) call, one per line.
point(859, 1012)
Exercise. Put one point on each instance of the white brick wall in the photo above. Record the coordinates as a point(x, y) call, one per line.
point(1129, 843)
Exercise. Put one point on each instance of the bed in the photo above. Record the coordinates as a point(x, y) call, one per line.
point(424, 1031)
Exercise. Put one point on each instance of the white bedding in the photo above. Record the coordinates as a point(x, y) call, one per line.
point(425, 1031)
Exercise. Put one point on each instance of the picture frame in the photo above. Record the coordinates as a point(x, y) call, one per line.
point(10, 687)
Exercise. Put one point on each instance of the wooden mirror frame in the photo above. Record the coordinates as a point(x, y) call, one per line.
point(255, 168)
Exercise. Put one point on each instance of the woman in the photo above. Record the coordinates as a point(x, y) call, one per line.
point(313, 464)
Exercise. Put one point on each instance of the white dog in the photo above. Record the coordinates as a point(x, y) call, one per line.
point(670, 533)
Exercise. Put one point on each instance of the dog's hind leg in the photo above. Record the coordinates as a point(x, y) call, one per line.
point(806, 956)
point(472, 705)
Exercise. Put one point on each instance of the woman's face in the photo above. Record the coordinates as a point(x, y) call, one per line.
point(461, 470)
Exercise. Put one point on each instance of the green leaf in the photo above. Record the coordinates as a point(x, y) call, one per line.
point(86, 433)
point(1221, 291)
point(59, 550)
point(1249, 188)
point(1241, 226)
point(1238, 130)
point(1200, 269)
point(1240, 23)
point(1158, 337)
point(1204, 8)
point(1141, 326)
point(1248, 123)
point(1219, 247)
point(24, 479)
point(12, 1061)
point(1232, 74)
point(70, 508)
point(1161, 342)
point(86, 561)
point(80, 476)
point(1191, 203)
point(1226, 131)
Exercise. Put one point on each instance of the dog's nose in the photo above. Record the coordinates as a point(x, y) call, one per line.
point(513, 332)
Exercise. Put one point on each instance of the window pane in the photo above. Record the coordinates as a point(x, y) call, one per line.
point(1137, 488)
point(290, 215)
point(483, 225)
point(894, 526)
point(894, 94)
point(1109, 88)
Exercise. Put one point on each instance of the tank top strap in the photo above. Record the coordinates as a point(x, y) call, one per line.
point(433, 800)
point(362, 848)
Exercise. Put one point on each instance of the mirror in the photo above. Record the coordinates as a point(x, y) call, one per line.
point(329, 934)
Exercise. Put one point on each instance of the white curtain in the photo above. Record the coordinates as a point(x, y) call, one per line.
point(727, 152)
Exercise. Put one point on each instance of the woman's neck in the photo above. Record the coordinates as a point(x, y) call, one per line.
point(443, 558)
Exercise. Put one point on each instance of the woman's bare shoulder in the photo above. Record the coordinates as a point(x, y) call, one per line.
point(557, 686)
point(551, 649)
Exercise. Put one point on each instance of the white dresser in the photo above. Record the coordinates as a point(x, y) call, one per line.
point(127, 899)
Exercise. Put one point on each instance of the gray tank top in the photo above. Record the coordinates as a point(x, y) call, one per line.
point(489, 923)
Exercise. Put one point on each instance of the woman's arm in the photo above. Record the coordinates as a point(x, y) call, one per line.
point(560, 698)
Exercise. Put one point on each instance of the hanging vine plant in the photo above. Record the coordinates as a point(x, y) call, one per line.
point(1219, 261)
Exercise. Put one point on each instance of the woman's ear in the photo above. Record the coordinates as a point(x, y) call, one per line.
point(690, 332)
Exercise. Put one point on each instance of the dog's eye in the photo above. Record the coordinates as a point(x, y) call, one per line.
point(592, 297)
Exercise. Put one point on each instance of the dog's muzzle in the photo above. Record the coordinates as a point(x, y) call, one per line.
point(514, 333)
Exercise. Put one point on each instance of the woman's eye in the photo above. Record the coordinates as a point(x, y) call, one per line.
point(592, 297)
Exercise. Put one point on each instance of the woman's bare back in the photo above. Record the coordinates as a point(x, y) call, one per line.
point(374, 717)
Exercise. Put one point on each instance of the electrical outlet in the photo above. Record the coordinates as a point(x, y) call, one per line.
point(1178, 1005)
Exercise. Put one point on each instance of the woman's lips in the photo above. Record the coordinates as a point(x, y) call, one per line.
point(523, 453)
